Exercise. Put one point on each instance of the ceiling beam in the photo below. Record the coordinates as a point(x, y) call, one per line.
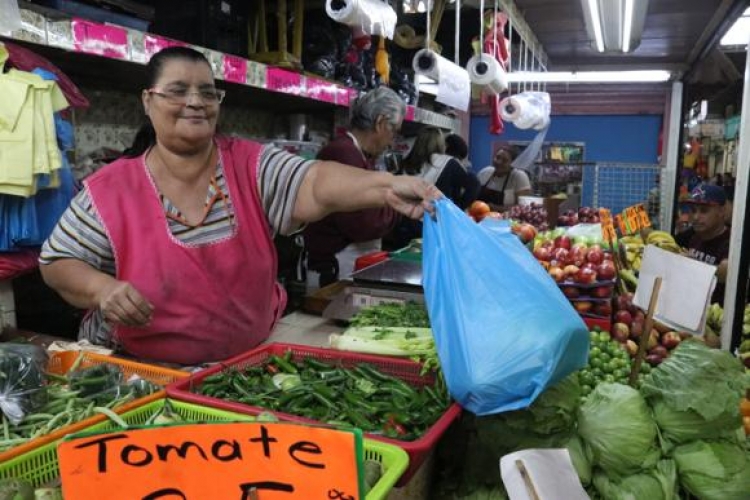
point(724, 16)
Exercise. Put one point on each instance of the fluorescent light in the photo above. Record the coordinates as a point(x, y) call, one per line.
point(595, 20)
point(656, 75)
point(627, 25)
point(738, 33)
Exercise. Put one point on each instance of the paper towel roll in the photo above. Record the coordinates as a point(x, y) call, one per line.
point(426, 62)
point(454, 85)
point(486, 71)
point(375, 17)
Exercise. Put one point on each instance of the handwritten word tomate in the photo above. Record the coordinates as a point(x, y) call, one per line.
point(113, 447)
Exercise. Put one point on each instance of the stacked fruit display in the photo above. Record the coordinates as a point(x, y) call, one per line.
point(534, 214)
point(628, 328)
point(584, 215)
point(585, 272)
point(525, 231)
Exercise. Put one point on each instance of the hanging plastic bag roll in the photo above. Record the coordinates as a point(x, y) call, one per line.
point(486, 71)
point(454, 85)
point(527, 110)
point(375, 17)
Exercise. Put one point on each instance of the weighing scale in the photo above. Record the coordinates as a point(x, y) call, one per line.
point(391, 281)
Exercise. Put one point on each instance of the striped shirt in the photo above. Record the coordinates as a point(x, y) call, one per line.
point(80, 233)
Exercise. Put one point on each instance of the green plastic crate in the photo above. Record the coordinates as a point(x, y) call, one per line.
point(40, 466)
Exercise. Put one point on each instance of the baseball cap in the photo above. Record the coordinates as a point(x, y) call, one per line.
point(707, 194)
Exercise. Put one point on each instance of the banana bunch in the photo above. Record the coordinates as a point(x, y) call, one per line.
point(633, 251)
point(745, 345)
point(663, 240)
point(714, 318)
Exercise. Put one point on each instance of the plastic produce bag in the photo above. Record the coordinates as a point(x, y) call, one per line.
point(503, 329)
point(11, 18)
point(22, 381)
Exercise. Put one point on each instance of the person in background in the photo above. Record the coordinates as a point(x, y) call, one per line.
point(456, 146)
point(170, 247)
point(334, 243)
point(729, 205)
point(719, 180)
point(708, 238)
point(427, 159)
point(500, 183)
point(653, 202)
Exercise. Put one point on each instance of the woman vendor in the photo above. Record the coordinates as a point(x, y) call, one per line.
point(501, 184)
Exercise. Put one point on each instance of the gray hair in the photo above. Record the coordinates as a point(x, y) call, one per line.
point(381, 101)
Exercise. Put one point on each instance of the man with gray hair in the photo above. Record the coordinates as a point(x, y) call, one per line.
point(335, 242)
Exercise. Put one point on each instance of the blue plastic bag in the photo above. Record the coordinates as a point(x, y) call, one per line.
point(503, 329)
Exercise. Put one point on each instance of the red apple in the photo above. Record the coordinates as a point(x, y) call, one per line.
point(670, 340)
point(654, 359)
point(525, 231)
point(571, 270)
point(556, 273)
point(562, 242)
point(606, 271)
point(623, 303)
point(653, 339)
point(659, 350)
point(583, 306)
point(603, 309)
point(595, 255)
point(622, 316)
point(588, 265)
point(561, 255)
point(639, 315)
point(578, 254)
point(585, 276)
point(620, 332)
point(602, 292)
point(549, 245)
point(543, 254)
point(571, 292)
point(636, 329)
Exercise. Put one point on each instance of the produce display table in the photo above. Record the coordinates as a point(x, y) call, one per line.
point(306, 329)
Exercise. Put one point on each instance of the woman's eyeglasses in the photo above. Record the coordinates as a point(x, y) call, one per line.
point(182, 96)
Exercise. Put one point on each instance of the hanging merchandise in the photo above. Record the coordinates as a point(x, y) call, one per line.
point(489, 303)
point(373, 17)
point(454, 87)
point(528, 110)
point(11, 18)
point(487, 72)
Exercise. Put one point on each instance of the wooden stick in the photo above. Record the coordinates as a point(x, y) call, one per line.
point(527, 480)
point(646, 334)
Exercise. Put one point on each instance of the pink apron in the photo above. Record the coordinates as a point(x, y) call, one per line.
point(211, 301)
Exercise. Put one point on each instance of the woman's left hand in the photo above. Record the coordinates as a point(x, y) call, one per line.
point(412, 196)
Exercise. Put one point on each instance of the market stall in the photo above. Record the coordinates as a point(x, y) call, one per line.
point(525, 346)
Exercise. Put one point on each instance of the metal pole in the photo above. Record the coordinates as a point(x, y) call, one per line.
point(739, 255)
point(673, 153)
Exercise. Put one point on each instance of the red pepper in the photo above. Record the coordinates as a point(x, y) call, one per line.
point(272, 369)
point(391, 424)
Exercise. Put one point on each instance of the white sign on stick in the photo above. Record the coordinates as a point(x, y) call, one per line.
point(686, 289)
point(550, 472)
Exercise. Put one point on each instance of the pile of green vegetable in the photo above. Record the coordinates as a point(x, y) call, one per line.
point(608, 362)
point(679, 434)
point(361, 396)
point(76, 396)
point(16, 489)
point(407, 314)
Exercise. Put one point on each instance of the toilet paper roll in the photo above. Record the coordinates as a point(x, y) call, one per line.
point(375, 17)
point(486, 71)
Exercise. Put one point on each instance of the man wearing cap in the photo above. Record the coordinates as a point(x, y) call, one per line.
point(708, 239)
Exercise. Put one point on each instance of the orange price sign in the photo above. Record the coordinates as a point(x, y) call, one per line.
point(217, 460)
point(643, 216)
point(632, 221)
point(621, 224)
point(608, 229)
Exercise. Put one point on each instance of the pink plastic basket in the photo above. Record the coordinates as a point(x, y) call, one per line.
point(406, 370)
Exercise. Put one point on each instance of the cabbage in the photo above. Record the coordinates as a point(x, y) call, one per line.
point(657, 484)
point(581, 458)
point(696, 393)
point(682, 426)
point(714, 470)
point(617, 425)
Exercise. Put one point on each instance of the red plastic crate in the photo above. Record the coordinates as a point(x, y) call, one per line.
point(604, 324)
point(406, 370)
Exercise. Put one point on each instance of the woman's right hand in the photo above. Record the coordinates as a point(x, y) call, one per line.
point(121, 303)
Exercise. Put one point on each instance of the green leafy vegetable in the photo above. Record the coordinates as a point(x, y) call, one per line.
point(617, 425)
point(714, 470)
point(659, 483)
point(580, 455)
point(408, 314)
point(696, 393)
